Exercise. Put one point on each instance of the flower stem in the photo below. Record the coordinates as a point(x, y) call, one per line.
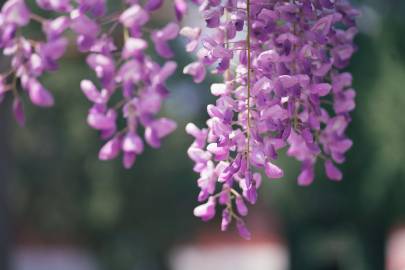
point(227, 74)
point(14, 86)
point(248, 76)
point(37, 18)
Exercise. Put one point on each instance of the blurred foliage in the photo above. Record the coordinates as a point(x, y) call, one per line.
point(60, 190)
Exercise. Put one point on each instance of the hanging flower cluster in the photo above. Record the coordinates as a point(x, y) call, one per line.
point(280, 61)
point(140, 79)
point(29, 58)
point(283, 88)
point(126, 74)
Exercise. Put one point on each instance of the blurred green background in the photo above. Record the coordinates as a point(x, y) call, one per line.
point(55, 190)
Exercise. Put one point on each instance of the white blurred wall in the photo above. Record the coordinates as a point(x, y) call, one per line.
point(255, 256)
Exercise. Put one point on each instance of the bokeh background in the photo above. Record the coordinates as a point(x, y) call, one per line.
point(62, 208)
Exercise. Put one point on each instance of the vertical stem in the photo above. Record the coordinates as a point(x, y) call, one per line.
point(227, 74)
point(248, 75)
point(14, 86)
point(294, 72)
point(126, 34)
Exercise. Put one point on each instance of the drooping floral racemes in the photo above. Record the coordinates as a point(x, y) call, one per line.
point(282, 88)
point(131, 84)
point(29, 58)
point(141, 81)
point(281, 63)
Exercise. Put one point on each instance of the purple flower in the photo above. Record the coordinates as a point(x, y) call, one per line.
point(282, 86)
point(306, 176)
point(127, 76)
point(241, 206)
point(95, 7)
point(86, 29)
point(226, 220)
point(273, 171)
point(332, 172)
point(180, 7)
point(193, 35)
point(39, 95)
point(54, 28)
point(111, 149)
point(53, 50)
point(101, 120)
point(206, 211)
point(128, 160)
point(243, 231)
point(91, 92)
point(153, 5)
point(212, 17)
point(161, 37)
point(135, 80)
point(104, 67)
point(280, 82)
point(134, 47)
point(55, 5)
point(132, 143)
point(16, 12)
point(157, 130)
point(134, 17)
point(197, 70)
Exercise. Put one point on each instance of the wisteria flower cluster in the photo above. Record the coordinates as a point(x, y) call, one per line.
point(140, 79)
point(29, 58)
point(126, 74)
point(283, 88)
